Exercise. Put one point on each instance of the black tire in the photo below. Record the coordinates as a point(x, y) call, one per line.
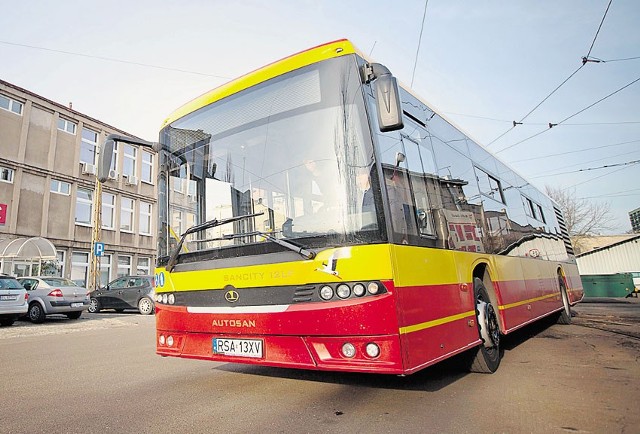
point(36, 313)
point(485, 358)
point(94, 305)
point(74, 315)
point(145, 306)
point(564, 316)
point(6, 322)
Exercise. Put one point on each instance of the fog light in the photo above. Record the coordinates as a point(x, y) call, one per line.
point(343, 291)
point(171, 299)
point(348, 350)
point(170, 341)
point(373, 288)
point(161, 340)
point(373, 350)
point(326, 292)
point(358, 289)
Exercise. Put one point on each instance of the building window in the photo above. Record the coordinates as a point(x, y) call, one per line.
point(60, 187)
point(6, 174)
point(147, 167)
point(11, 105)
point(114, 160)
point(489, 186)
point(80, 268)
point(105, 270)
point(129, 162)
point(126, 214)
point(67, 126)
point(84, 205)
point(124, 266)
point(145, 218)
point(108, 210)
point(88, 146)
point(144, 266)
point(60, 263)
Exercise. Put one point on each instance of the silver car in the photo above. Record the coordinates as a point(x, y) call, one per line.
point(54, 295)
point(14, 300)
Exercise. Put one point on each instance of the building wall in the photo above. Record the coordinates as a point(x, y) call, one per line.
point(34, 151)
point(620, 258)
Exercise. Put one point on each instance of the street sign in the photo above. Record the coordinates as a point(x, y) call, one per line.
point(98, 249)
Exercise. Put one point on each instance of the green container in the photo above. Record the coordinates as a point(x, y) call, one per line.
point(607, 285)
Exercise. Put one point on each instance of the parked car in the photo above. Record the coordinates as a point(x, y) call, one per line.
point(50, 295)
point(14, 300)
point(126, 292)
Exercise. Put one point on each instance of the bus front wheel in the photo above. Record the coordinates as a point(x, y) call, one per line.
point(485, 358)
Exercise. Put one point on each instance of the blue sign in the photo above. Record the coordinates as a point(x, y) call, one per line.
point(98, 249)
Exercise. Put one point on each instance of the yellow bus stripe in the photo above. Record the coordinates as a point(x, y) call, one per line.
point(435, 322)
point(448, 319)
point(531, 300)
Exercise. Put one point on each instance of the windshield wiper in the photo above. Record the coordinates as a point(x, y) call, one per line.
point(305, 253)
point(171, 263)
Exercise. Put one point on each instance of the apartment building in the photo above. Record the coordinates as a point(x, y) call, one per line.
point(47, 182)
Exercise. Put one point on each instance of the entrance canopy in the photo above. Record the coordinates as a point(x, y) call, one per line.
point(27, 248)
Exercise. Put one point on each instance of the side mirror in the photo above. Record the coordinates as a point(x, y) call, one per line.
point(387, 97)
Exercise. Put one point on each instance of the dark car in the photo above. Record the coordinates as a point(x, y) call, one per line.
point(126, 292)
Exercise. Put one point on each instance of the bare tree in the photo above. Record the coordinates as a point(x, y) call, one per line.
point(583, 218)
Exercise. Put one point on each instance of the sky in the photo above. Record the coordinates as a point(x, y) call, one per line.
point(483, 65)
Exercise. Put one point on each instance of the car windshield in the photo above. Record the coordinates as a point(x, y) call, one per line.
point(9, 283)
point(58, 281)
point(290, 149)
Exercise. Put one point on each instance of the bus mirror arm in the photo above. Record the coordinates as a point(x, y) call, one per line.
point(105, 152)
point(387, 93)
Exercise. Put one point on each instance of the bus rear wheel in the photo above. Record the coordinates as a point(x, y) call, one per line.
point(564, 316)
point(486, 358)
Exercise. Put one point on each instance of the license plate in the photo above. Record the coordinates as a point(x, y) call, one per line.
point(76, 304)
point(238, 347)
point(9, 297)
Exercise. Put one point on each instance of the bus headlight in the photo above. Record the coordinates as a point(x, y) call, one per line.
point(343, 291)
point(373, 288)
point(164, 298)
point(348, 350)
point(326, 292)
point(373, 350)
point(171, 299)
point(358, 289)
point(159, 298)
point(161, 340)
point(170, 341)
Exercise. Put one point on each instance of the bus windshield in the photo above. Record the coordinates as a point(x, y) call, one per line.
point(292, 149)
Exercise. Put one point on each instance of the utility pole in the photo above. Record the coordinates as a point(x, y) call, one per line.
point(96, 225)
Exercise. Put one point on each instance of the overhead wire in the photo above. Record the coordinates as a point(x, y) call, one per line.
point(415, 63)
point(111, 59)
point(575, 152)
point(556, 89)
point(551, 125)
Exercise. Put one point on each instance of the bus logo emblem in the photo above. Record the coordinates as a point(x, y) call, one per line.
point(231, 296)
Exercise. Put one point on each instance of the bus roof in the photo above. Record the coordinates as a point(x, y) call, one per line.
point(329, 50)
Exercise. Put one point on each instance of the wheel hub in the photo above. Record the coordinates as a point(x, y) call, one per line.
point(487, 320)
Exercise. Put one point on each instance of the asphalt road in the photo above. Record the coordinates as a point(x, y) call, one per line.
point(100, 374)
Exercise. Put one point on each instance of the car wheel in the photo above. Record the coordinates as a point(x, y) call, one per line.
point(94, 306)
point(6, 322)
point(36, 313)
point(145, 306)
point(74, 315)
